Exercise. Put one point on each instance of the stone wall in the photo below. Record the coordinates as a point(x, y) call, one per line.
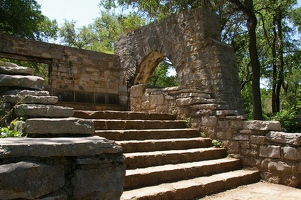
point(258, 144)
point(75, 75)
point(191, 41)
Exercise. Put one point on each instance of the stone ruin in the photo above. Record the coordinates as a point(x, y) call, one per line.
point(208, 95)
point(59, 158)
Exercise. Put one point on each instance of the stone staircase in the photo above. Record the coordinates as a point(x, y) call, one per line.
point(165, 159)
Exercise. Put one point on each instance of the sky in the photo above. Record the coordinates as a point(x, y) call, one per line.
point(82, 11)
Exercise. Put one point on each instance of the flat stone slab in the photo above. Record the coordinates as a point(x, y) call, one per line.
point(11, 68)
point(63, 146)
point(262, 125)
point(284, 138)
point(27, 92)
point(19, 81)
point(70, 126)
point(17, 99)
point(37, 110)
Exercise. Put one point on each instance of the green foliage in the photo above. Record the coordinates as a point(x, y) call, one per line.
point(202, 134)
point(217, 143)
point(287, 119)
point(9, 131)
point(23, 18)
point(161, 77)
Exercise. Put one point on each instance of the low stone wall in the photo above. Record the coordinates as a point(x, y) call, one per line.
point(60, 168)
point(258, 144)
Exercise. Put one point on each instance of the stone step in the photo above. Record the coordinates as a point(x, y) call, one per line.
point(102, 124)
point(54, 127)
point(156, 158)
point(90, 106)
point(174, 172)
point(39, 110)
point(193, 188)
point(120, 135)
point(20, 81)
point(28, 99)
point(130, 146)
point(122, 115)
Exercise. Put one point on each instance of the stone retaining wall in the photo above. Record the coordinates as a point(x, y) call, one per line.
point(259, 144)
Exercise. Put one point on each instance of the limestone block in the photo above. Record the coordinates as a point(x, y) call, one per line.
point(37, 110)
point(60, 126)
point(284, 138)
point(27, 92)
point(101, 183)
point(262, 125)
point(11, 68)
point(50, 147)
point(17, 99)
point(209, 121)
point(270, 151)
point(255, 139)
point(29, 180)
point(241, 137)
point(292, 153)
point(276, 166)
point(19, 81)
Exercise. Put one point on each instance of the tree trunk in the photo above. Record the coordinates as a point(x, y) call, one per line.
point(248, 9)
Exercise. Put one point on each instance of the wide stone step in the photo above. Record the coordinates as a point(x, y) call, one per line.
point(164, 144)
point(122, 115)
point(120, 135)
point(197, 187)
point(156, 158)
point(102, 124)
point(173, 172)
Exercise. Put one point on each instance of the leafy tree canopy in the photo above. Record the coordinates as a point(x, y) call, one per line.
point(23, 18)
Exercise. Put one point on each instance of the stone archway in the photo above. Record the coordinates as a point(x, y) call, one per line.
point(191, 40)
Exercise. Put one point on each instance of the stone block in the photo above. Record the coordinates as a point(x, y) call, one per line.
point(276, 166)
point(270, 151)
point(51, 147)
point(100, 183)
point(255, 139)
point(19, 81)
point(292, 153)
point(262, 125)
point(36, 110)
point(27, 92)
point(29, 180)
point(209, 121)
point(284, 138)
point(240, 137)
point(60, 126)
point(13, 69)
point(17, 99)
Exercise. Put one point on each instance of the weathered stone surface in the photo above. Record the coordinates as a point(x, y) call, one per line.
point(101, 183)
point(292, 153)
point(270, 151)
point(276, 166)
point(29, 180)
point(36, 110)
point(49, 147)
point(284, 138)
point(17, 99)
point(254, 139)
point(60, 126)
point(14, 69)
point(262, 125)
point(26, 92)
point(19, 81)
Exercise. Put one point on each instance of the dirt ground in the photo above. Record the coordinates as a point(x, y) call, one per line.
point(258, 191)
